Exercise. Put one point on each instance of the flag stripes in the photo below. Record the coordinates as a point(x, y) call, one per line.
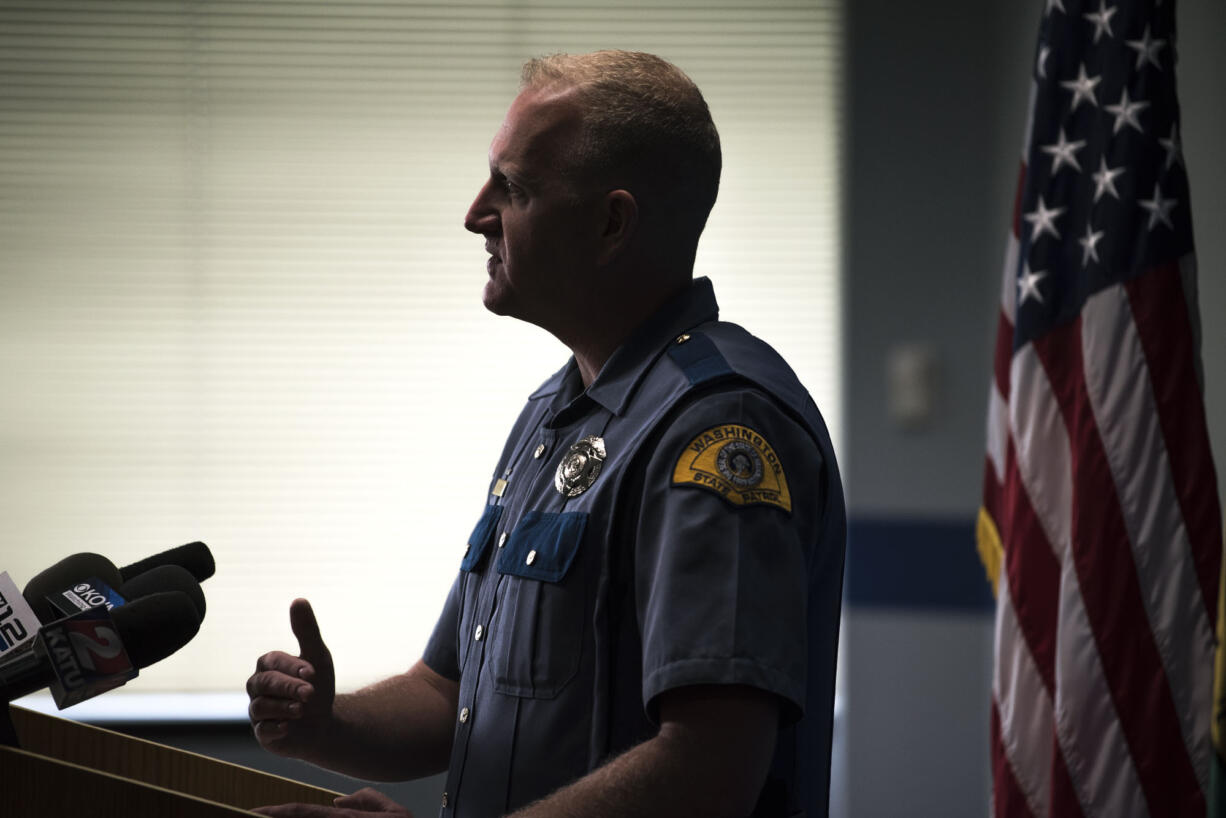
point(1034, 579)
point(1063, 797)
point(1087, 728)
point(1169, 334)
point(1111, 592)
point(1021, 701)
point(1150, 510)
point(1008, 795)
point(1158, 756)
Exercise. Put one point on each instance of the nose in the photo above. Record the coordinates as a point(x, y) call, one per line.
point(482, 217)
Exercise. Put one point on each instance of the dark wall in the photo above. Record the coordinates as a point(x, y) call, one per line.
point(924, 242)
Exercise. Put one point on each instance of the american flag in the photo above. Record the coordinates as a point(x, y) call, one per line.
point(1101, 524)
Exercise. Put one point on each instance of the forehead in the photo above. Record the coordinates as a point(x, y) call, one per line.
point(539, 129)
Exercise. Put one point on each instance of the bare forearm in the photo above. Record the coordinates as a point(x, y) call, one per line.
point(394, 730)
point(709, 759)
point(656, 778)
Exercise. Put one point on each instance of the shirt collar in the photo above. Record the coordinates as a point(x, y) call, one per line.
point(617, 380)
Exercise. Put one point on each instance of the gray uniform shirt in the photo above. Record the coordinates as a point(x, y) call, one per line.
point(708, 549)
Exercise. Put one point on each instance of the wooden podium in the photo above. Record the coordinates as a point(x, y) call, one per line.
point(65, 768)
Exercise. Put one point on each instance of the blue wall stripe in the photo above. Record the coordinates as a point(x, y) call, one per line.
point(926, 564)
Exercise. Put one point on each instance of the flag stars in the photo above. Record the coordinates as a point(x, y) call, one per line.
point(1174, 152)
point(1147, 49)
point(1041, 63)
point(1089, 245)
point(1028, 285)
point(1104, 180)
point(1159, 209)
point(1101, 20)
point(1063, 152)
point(1055, 4)
point(1126, 112)
point(1082, 88)
point(1043, 219)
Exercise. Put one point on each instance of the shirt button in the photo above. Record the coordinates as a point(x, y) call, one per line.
point(502, 539)
point(464, 714)
point(540, 450)
point(444, 799)
point(531, 558)
point(478, 633)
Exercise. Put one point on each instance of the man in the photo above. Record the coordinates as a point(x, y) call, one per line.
point(645, 620)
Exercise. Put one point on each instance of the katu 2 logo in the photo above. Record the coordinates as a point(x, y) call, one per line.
point(97, 646)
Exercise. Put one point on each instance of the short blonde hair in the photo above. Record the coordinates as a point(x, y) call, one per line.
point(642, 118)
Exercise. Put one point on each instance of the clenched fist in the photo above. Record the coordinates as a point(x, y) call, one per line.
point(291, 696)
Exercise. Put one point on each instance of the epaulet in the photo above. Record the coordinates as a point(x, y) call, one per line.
point(699, 358)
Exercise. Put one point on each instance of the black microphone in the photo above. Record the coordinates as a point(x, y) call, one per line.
point(165, 578)
point(195, 557)
point(161, 623)
point(95, 650)
point(83, 580)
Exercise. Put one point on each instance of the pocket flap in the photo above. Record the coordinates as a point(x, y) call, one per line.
point(479, 540)
point(543, 545)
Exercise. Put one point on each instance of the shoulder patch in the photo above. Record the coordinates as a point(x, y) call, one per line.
point(736, 463)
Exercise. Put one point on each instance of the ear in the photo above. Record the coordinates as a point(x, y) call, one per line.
point(620, 214)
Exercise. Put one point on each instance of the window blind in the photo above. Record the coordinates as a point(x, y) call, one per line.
point(239, 304)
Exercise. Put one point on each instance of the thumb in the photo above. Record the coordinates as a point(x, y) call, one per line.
point(311, 645)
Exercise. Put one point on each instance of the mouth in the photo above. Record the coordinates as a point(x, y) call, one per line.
point(493, 259)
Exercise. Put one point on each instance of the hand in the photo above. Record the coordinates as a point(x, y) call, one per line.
point(291, 696)
point(362, 804)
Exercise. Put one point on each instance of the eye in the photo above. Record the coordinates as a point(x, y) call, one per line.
point(511, 189)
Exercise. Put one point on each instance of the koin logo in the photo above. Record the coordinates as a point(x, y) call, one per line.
point(86, 596)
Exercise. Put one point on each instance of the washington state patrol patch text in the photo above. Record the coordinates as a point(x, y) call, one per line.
point(736, 463)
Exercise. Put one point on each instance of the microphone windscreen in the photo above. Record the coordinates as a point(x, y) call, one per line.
point(155, 626)
point(195, 557)
point(64, 575)
point(164, 578)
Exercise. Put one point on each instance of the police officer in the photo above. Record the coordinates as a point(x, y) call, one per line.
point(645, 620)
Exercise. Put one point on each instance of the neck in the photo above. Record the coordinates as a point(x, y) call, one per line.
point(591, 360)
point(612, 322)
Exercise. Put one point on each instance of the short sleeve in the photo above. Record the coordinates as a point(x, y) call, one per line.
point(442, 649)
point(729, 512)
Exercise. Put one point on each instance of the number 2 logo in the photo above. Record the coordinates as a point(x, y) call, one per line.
point(108, 645)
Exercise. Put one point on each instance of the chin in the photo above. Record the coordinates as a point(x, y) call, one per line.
point(496, 298)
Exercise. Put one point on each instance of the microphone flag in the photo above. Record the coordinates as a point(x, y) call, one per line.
point(18, 624)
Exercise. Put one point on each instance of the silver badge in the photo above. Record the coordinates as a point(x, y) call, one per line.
point(740, 464)
point(580, 466)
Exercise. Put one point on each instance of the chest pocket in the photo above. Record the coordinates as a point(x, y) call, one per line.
point(478, 543)
point(481, 537)
point(538, 631)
